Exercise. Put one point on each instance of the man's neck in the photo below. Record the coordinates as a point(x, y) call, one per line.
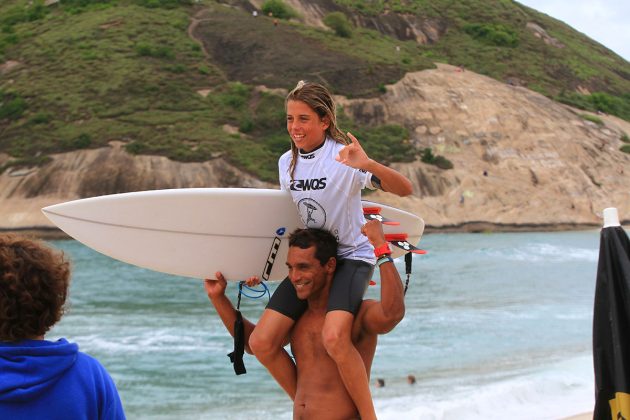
point(319, 300)
point(315, 304)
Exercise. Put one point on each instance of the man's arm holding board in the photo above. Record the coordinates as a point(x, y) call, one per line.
point(216, 293)
point(382, 316)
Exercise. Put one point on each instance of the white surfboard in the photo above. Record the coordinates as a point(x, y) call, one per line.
point(194, 232)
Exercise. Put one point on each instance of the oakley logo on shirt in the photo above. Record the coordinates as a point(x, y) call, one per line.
point(308, 184)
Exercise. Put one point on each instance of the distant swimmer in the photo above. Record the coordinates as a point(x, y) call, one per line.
point(318, 391)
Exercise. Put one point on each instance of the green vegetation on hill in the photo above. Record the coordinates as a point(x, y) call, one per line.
point(104, 71)
point(615, 105)
point(492, 37)
point(495, 35)
point(90, 71)
point(278, 9)
point(339, 23)
point(127, 70)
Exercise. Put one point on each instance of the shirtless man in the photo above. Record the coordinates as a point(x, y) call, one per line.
point(320, 392)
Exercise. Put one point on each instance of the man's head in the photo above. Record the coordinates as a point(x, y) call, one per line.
point(312, 260)
point(34, 284)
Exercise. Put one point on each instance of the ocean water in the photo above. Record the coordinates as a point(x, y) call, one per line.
point(497, 326)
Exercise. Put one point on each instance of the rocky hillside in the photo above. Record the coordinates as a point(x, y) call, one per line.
point(521, 161)
point(107, 170)
point(143, 94)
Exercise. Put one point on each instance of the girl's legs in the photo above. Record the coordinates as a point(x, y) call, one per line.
point(267, 343)
point(346, 295)
point(271, 334)
point(338, 344)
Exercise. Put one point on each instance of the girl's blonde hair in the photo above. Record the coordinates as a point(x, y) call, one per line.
point(321, 101)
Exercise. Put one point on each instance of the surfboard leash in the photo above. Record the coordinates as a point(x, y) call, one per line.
point(400, 240)
point(397, 239)
point(236, 357)
point(261, 293)
point(407, 270)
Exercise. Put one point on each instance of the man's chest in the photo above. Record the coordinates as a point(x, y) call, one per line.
point(306, 338)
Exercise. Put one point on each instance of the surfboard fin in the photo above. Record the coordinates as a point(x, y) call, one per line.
point(400, 240)
point(374, 213)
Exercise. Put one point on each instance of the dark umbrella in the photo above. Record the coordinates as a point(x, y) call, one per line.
point(611, 322)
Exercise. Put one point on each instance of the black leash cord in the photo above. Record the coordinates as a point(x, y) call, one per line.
point(407, 269)
point(236, 357)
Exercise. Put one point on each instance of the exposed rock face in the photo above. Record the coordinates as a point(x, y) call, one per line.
point(521, 161)
point(403, 27)
point(543, 163)
point(539, 32)
point(110, 170)
point(253, 56)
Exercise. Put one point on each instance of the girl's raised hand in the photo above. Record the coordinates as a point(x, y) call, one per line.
point(353, 154)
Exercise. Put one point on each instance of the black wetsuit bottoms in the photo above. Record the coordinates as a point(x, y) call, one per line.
point(346, 292)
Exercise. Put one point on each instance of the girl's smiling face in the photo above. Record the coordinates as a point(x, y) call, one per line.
point(306, 128)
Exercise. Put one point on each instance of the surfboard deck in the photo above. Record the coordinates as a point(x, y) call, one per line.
point(194, 232)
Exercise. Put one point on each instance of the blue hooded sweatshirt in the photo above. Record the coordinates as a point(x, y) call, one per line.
point(42, 379)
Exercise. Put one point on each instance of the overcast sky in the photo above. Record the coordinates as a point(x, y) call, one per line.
point(605, 21)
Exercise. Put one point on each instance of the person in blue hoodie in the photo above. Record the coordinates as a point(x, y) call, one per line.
point(41, 379)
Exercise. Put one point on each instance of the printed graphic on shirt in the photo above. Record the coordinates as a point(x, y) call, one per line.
point(312, 213)
point(308, 184)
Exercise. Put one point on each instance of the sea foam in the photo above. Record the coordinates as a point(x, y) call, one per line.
point(554, 391)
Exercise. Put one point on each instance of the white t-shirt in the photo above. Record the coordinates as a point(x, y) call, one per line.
point(328, 196)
